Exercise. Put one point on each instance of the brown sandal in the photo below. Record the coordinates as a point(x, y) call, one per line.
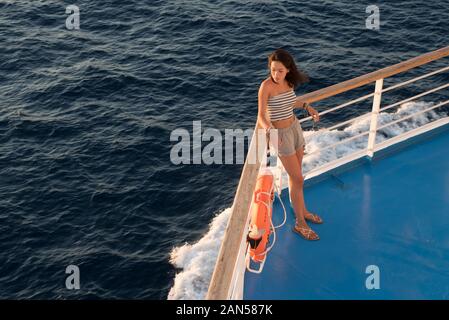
point(314, 218)
point(306, 233)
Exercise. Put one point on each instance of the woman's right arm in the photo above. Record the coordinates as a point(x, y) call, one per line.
point(262, 117)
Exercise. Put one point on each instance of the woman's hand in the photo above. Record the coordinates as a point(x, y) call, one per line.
point(264, 123)
point(315, 115)
point(269, 127)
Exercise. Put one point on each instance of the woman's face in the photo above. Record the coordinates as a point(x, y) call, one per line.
point(278, 71)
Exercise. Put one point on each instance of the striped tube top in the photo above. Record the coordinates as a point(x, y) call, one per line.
point(281, 106)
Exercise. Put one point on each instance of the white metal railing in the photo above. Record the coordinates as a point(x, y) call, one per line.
point(383, 90)
point(376, 109)
point(366, 115)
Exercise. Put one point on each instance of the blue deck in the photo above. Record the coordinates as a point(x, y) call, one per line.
point(392, 213)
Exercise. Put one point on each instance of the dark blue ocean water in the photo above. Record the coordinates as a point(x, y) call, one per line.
point(86, 117)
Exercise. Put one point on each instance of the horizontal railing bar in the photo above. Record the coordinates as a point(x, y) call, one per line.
point(415, 97)
point(373, 76)
point(338, 143)
point(384, 90)
point(401, 84)
point(364, 133)
point(341, 106)
point(340, 124)
point(371, 94)
point(412, 115)
point(412, 132)
point(382, 109)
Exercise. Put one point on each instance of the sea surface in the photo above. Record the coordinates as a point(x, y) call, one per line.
point(86, 116)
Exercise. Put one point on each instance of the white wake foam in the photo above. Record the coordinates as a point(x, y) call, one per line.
point(198, 260)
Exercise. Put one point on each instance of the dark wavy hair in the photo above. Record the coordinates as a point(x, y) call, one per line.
point(295, 76)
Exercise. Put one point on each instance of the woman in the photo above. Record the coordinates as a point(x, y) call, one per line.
point(276, 102)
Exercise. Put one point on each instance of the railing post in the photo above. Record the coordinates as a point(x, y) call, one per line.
point(374, 115)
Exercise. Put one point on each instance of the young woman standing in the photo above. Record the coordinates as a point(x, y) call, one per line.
point(277, 99)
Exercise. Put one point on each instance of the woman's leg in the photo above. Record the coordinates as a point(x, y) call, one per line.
point(300, 155)
point(307, 213)
point(296, 182)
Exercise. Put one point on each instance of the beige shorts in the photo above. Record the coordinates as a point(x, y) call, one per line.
point(290, 139)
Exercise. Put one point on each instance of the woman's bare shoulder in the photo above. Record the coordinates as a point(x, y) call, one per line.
point(267, 82)
point(266, 85)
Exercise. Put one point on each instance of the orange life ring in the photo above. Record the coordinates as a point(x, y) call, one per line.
point(261, 214)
